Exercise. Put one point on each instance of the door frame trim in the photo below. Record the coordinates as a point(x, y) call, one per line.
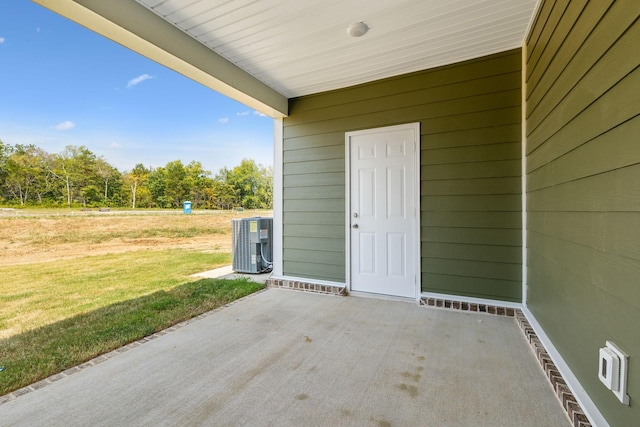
point(415, 127)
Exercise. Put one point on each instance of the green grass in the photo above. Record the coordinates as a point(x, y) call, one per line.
point(35, 295)
point(56, 315)
point(36, 354)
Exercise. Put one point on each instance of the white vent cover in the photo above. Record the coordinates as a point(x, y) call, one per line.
point(612, 370)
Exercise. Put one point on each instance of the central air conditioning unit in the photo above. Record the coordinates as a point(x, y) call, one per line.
point(252, 244)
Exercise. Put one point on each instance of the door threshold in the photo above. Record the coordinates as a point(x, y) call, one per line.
point(381, 296)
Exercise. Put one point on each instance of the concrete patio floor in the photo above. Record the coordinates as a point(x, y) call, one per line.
point(287, 358)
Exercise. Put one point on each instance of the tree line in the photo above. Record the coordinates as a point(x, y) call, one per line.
point(76, 177)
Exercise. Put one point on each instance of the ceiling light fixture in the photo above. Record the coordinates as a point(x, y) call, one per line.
point(357, 29)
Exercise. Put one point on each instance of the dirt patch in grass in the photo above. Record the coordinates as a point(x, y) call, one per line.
point(52, 237)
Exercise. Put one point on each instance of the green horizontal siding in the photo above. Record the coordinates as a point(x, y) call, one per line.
point(475, 236)
point(326, 244)
point(608, 232)
point(312, 141)
point(448, 75)
point(596, 81)
point(314, 218)
point(490, 169)
point(463, 98)
point(471, 252)
point(313, 270)
point(503, 185)
point(312, 256)
point(477, 136)
point(591, 159)
point(308, 230)
point(501, 220)
point(315, 192)
point(435, 123)
point(474, 203)
point(583, 182)
point(314, 179)
point(481, 153)
point(607, 271)
point(314, 205)
point(466, 268)
point(470, 121)
point(575, 49)
point(478, 287)
point(313, 166)
point(317, 153)
point(565, 130)
point(603, 192)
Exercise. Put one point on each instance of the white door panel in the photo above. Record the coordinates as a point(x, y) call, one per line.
point(367, 193)
point(367, 259)
point(396, 255)
point(382, 210)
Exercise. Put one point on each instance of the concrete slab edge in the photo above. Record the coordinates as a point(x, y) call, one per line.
point(569, 403)
point(101, 358)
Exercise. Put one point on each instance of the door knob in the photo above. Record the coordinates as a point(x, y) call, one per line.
point(354, 226)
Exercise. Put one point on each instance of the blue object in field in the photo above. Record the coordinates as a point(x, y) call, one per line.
point(186, 207)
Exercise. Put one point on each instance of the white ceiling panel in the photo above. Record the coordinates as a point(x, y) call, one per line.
point(299, 47)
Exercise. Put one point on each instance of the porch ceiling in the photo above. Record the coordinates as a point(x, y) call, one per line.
point(302, 47)
point(262, 52)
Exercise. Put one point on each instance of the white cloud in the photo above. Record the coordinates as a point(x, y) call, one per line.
point(1, 40)
point(65, 125)
point(259, 114)
point(244, 113)
point(138, 80)
point(224, 120)
point(115, 145)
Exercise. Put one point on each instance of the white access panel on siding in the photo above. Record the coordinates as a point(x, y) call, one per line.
point(382, 224)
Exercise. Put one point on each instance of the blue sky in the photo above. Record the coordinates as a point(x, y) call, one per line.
point(61, 84)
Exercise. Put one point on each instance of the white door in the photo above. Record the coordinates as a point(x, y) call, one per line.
point(382, 210)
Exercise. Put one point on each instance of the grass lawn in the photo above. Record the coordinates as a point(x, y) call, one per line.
point(57, 315)
point(39, 294)
point(74, 288)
